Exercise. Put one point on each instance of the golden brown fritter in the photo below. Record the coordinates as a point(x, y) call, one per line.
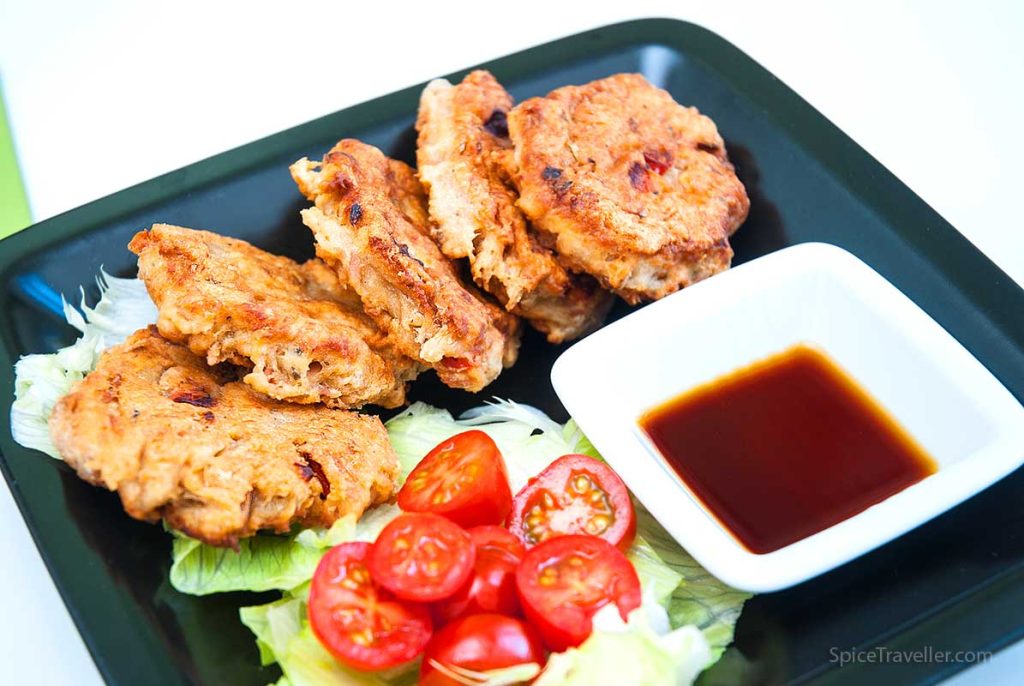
point(630, 186)
point(178, 440)
point(303, 336)
point(463, 135)
point(370, 223)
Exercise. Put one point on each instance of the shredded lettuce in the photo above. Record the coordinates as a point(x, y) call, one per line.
point(630, 652)
point(40, 380)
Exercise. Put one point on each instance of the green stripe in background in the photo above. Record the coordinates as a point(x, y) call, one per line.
point(14, 214)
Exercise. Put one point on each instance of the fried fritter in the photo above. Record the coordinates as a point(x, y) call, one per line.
point(370, 223)
point(630, 186)
point(463, 135)
point(303, 336)
point(218, 461)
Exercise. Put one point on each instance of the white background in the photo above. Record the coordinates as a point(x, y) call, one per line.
point(104, 94)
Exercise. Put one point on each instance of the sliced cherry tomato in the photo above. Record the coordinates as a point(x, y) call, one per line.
point(422, 557)
point(563, 582)
point(492, 586)
point(476, 644)
point(464, 479)
point(575, 494)
point(360, 623)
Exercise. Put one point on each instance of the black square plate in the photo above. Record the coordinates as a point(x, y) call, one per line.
point(954, 584)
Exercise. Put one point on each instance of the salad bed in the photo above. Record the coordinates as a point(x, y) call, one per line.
point(641, 611)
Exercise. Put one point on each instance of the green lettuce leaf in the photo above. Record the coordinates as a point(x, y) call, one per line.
point(40, 380)
point(283, 636)
point(631, 653)
point(267, 562)
point(658, 580)
point(274, 624)
point(700, 599)
point(261, 563)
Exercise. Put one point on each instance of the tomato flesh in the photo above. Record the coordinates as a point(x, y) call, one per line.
point(564, 581)
point(463, 478)
point(575, 494)
point(361, 624)
point(492, 586)
point(422, 557)
point(478, 643)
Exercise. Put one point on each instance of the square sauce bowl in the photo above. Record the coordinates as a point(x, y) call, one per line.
point(813, 294)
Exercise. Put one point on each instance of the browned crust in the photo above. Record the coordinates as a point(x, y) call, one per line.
point(370, 224)
point(462, 139)
point(302, 336)
point(184, 442)
point(631, 186)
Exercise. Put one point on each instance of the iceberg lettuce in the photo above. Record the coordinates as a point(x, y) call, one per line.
point(699, 599)
point(632, 652)
point(283, 636)
point(40, 380)
point(267, 562)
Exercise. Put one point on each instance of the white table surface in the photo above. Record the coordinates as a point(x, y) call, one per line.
point(105, 94)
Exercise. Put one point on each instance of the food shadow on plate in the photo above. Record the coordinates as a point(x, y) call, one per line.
point(763, 231)
point(137, 555)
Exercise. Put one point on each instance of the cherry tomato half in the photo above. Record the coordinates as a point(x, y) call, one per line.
point(422, 557)
point(478, 643)
point(464, 478)
point(575, 494)
point(492, 586)
point(563, 582)
point(361, 624)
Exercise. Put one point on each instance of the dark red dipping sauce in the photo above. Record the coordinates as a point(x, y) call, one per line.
point(785, 448)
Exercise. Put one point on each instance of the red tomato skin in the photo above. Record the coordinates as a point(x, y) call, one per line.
point(480, 643)
point(484, 499)
point(492, 586)
point(405, 645)
point(389, 564)
point(555, 478)
point(561, 623)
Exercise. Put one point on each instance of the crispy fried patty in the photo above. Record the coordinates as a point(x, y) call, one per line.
point(463, 137)
point(630, 186)
point(371, 225)
point(303, 337)
point(185, 442)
